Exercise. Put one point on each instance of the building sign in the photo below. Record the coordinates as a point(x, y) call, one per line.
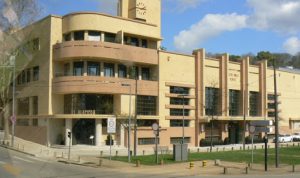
point(111, 125)
point(233, 76)
point(92, 112)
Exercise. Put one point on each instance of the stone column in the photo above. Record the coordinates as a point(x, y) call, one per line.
point(68, 129)
point(85, 68)
point(116, 70)
point(122, 136)
point(224, 84)
point(98, 136)
point(263, 88)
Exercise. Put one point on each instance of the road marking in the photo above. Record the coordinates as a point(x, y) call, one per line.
point(26, 160)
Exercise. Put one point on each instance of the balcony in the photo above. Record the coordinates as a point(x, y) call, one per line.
point(113, 51)
point(104, 85)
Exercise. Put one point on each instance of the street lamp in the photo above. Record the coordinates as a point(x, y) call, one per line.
point(129, 121)
point(183, 114)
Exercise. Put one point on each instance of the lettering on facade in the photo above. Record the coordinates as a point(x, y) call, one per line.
point(233, 76)
point(86, 112)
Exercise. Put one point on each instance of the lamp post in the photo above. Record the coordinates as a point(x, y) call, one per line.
point(183, 114)
point(129, 121)
point(12, 64)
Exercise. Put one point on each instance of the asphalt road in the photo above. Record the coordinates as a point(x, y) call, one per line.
point(17, 165)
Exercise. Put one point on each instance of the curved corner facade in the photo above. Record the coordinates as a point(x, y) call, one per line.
point(89, 67)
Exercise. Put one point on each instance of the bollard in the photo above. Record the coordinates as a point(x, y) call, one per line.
point(100, 162)
point(232, 148)
point(268, 146)
point(298, 144)
point(254, 147)
point(247, 170)
point(225, 170)
point(204, 163)
point(223, 148)
point(262, 147)
point(161, 162)
point(143, 152)
point(293, 144)
point(217, 162)
point(287, 145)
point(217, 149)
point(198, 150)
point(137, 163)
point(207, 149)
point(293, 168)
point(248, 147)
point(191, 165)
point(101, 153)
point(116, 152)
point(249, 165)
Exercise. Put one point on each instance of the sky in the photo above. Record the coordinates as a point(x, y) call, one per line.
point(234, 26)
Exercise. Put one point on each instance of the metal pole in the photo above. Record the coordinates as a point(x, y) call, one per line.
point(156, 147)
point(244, 123)
point(135, 117)
point(69, 154)
point(276, 118)
point(13, 106)
point(266, 152)
point(129, 125)
point(211, 133)
point(183, 119)
point(252, 150)
point(110, 146)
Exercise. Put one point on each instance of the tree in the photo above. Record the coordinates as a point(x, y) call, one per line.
point(14, 14)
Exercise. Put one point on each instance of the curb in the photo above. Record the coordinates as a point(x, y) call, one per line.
point(78, 164)
point(10, 148)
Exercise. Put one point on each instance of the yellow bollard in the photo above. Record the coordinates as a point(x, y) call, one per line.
point(161, 162)
point(138, 163)
point(191, 165)
point(204, 163)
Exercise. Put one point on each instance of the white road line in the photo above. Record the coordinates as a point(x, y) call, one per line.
point(26, 160)
point(1, 162)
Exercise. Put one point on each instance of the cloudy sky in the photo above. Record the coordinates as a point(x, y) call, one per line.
point(234, 26)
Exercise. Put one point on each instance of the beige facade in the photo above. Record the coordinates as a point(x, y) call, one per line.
point(92, 66)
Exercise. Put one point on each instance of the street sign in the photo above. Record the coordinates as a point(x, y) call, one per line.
point(262, 123)
point(155, 126)
point(252, 129)
point(263, 129)
point(111, 125)
point(13, 119)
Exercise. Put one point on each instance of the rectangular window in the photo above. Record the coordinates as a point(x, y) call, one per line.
point(271, 97)
point(134, 72)
point(146, 105)
point(67, 37)
point(234, 98)
point(78, 68)
point(122, 71)
point(28, 74)
point(176, 140)
point(79, 35)
point(36, 73)
point(109, 70)
point(22, 122)
point(35, 105)
point(253, 102)
point(211, 101)
point(145, 123)
point(23, 76)
point(147, 141)
point(179, 90)
point(131, 41)
point(93, 68)
point(179, 112)
point(36, 44)
point(144, 43)
point(67, 69)
point(271, 114)
point(179, 101)
point(35, 122)
point(110, 37)
point(94, 36)
point(178, 123)
point(145, 73)
point(271, 105)
point(23, 106)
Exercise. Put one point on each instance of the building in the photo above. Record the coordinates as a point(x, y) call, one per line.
point(87, 67)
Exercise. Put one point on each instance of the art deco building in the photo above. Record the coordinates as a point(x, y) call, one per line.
point(86, 67)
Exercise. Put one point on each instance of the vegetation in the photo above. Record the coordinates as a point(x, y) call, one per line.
point(288, 155)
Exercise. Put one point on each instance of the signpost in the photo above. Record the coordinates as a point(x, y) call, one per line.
point(258, 127)
point(156, 130)
point(70, 139)
point(111, 128)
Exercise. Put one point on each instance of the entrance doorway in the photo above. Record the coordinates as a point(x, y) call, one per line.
point(84, 131)
point(234, 132)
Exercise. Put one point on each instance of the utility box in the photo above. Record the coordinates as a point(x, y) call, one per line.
point(180, 152)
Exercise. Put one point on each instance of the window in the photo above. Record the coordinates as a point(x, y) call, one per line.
point(122, 71)
point(271, 105)
point(145, 73)
point(28, 73)
point(19, 79)
point(147, 141)
point(23, 76)
point(146, 105)
point(271, 114)
point(176, 140)
point(271, 97)
point(179, 101)
point(179, 90)
point(179, 112)
point(36, 44)
point(145, 123)
point(78, 68)
point(178, 123)
point(22, 122)
point(78, 35)
point(234, 97)
point(110, 37)
point(253, 102)
point(94, 36)
point(67, 69)
point(134, 72)
point(109, 70)
point(23, 106)
point(36, 73)
point(67, 37)
point(211, 101)
point(144, 43)
point(131, 41)
point(35, 105)
point(93, 69)
point(35, 122)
